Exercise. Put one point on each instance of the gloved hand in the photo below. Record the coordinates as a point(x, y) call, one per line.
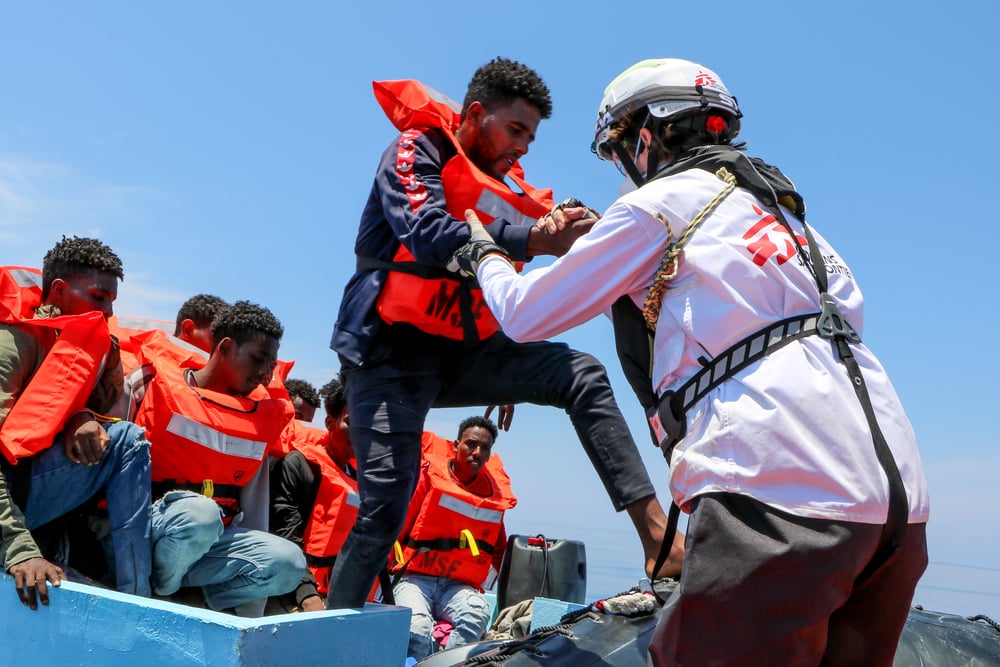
point(466, 259)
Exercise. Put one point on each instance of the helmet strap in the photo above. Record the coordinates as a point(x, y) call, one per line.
point(652, 161)
point(628, 164)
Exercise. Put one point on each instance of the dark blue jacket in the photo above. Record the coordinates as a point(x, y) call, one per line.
point(429, 232)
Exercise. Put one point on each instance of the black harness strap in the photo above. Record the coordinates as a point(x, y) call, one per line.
point(671, 410)
point(833, 326)
point(673, 514)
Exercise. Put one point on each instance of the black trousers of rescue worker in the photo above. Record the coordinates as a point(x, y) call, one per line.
point(763, 587)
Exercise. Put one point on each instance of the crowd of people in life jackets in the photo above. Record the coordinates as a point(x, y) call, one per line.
point(737, 324)
point(188, 467)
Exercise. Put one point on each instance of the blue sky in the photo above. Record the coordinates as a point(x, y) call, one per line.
point(228, 148)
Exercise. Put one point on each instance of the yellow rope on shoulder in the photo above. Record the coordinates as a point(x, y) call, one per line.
point(668, 265)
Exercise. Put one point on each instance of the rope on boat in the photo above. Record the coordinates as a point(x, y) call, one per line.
point(986, 619)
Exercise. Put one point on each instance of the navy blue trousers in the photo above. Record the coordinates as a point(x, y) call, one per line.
point(389, 400)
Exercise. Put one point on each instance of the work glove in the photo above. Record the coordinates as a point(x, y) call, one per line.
point(466, 259)
point(573, 202)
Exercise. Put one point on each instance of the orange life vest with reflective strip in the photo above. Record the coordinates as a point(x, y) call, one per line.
point(66, 376)
point(336, 505)
point(439, 542)
point(434, 305)
point(199, 436)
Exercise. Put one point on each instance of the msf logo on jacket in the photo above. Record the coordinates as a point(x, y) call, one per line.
point(768, 238)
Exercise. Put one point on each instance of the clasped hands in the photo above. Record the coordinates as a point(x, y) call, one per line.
point(553, 234)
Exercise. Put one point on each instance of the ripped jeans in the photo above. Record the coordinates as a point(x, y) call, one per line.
point(437, 599)
point(233, 566)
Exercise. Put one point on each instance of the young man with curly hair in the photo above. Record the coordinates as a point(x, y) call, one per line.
point(305, 398)
point(413, 334)
point(58, 457)
point(194, 319)
point(212, 425)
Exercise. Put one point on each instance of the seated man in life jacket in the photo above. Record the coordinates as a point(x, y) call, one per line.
point(314, 496)
point(453, 536)
point(212, 425)
point(305, 399)
point(60, 373)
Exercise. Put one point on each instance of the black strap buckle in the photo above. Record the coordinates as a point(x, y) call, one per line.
point(832, 323)
point(668, 429)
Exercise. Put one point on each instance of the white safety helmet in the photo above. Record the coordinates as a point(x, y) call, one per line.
point(670, 88)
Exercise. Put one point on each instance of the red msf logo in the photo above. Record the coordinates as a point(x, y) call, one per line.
point(702, 79)
point(769, 238)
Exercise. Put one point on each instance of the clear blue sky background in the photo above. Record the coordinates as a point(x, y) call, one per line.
point(228, 148)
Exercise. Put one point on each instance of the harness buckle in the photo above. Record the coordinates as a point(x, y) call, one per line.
point(667, 427)
point(832, 323)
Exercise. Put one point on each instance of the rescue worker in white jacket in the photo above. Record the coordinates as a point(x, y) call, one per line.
point(791, 450)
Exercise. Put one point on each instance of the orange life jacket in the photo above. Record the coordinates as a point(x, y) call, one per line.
point(20, 292)
point(129, 332)
point(201, 437)
point(336, 506)
point(455, 530)
point(435, 305)
point(66, 376)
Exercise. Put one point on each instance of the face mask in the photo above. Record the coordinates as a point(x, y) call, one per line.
point(626, 187)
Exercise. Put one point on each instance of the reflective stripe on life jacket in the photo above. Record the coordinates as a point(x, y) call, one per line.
point(200, 436)
point(62, 384)
point(439, 542)
point(335, 508)
point(434, 305)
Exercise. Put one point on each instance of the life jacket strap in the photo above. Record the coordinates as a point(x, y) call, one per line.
point(448, 544)
point(226, 495)
point(320, 561)
point(412, 268)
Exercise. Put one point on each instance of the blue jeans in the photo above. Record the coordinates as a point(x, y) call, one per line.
point(433, 599)
point(233, 566)
point(388, 401)
point(58, 486)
